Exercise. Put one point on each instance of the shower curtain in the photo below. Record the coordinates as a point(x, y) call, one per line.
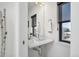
point(3, 32)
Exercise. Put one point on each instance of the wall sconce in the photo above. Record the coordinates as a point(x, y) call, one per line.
point(50, 27)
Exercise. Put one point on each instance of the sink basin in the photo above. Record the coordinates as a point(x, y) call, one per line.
point(34, 42)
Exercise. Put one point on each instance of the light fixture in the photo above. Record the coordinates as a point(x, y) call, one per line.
point(40, 3)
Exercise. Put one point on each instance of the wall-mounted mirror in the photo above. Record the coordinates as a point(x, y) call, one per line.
point(39, 25)
point(36, 19)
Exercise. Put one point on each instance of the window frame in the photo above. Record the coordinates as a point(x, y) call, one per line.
point(60, 21)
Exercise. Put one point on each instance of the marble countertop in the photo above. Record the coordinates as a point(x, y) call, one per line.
point(34, 42)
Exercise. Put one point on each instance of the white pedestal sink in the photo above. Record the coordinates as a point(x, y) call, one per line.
point(34, 42)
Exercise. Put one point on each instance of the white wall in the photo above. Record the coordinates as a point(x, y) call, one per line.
point(75, 29)
point(11, 17)
point(56, 48)
point(23, 30)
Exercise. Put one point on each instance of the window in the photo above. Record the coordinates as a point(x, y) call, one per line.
point(33, 24)
point(64, 21)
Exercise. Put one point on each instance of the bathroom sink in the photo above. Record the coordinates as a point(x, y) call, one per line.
point(34, 42)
